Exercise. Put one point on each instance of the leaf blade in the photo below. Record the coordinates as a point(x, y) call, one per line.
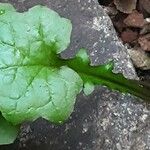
point(31, 83)
point(8, 132)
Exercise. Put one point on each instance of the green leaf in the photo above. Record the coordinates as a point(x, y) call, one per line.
point(8, 132)
point(31, 84)
point(103, 75)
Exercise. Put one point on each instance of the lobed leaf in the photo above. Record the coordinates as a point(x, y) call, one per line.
point(31, 84)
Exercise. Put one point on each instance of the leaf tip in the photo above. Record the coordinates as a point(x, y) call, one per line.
point(88, 88)
point(109, 66)
point(82, 54)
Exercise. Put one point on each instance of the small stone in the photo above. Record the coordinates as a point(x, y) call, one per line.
point(119, 26)
point(118, 22)
point(129, 36)
point(145, 29)
point(144, 42)
point(140, 58)
point(147, 20)
point(145, 4)
point(111, 11)
point(135, 20)
point(125, 6)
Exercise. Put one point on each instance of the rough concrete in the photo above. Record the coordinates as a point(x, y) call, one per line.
point(105, 120)
point(92, 29)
